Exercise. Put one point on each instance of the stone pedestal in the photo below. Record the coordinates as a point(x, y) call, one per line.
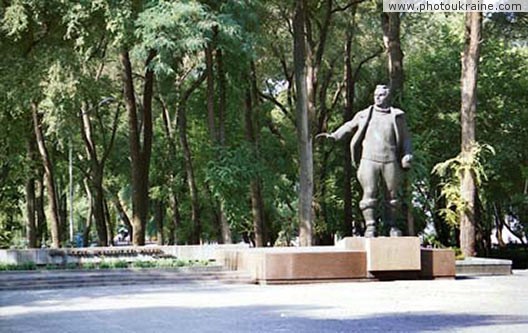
point(387, 254)
point(294, 265)
point(353, 258)
point(437, 263)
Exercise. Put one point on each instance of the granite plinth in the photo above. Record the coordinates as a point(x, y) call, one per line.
point(437, 263)
point(387, 254)
point(293, 265)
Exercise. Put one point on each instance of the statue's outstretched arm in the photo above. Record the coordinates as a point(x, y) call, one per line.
point(339, 133)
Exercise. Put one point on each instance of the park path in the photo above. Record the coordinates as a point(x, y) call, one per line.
point(484, 304)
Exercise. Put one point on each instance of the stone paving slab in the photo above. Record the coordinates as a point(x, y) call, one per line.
point(482, 304)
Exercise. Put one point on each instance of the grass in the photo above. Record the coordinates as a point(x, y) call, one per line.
point(27, 266)
point(107, 264)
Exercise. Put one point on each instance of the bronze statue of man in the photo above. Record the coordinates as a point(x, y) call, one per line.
point(381, 148)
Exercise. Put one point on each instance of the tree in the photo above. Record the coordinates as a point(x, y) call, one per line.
point(97, 161)
point(470, 63)
point(304, 135)
point(49, 176)
point(390, 23)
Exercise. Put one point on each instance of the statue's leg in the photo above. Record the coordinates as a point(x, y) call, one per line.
point(368, 175)
point(392, 175)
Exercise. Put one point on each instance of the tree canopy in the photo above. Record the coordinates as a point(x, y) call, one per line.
point(179, 119)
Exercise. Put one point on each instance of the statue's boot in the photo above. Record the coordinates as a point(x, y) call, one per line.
point(393, 207)
point(368, 207)
point(370, 231)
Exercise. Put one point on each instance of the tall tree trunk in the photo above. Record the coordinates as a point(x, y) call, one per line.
point(225, 230)
point(470, 59)
point(31, 225)
point(30, 210)
point(216, 136)
point(159, 208)
point(63, 211)
point(42, 232)
point(189, 171)
point(222, 92)
point(304, 137)
point(96, 176)
point(110, 225)
point(176, 220)
point(187, 157)
point(390, 23)
point(140, 140)
point(169, 133)
point(49, 178)
point(89, 215)
point(98, 206)
point(210, 92)
point(257, 205)
point(350, 227)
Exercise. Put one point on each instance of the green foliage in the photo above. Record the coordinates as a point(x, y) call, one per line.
point(517, 254)
point(171, 28)
point(64, 56)
point(143, 264)
point(71, 265)
point(52, 267)
point(103, 264)
point(26, 266)
point(89, 265)
point(120, 264)
point(452, 172)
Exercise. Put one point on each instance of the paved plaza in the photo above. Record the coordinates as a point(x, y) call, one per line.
point(483, 304)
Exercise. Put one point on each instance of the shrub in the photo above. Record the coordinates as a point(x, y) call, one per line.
point(7, 267)
point(105, 264)
point(72, 265)
point(144, 264)
point(120, 264)
point(27, 266)
point(89, 265)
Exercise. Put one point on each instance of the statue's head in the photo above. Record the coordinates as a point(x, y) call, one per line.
point(382, 96)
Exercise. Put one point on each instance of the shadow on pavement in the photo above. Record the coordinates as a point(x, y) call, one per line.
point(246, 319)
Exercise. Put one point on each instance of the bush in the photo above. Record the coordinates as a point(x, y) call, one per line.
point(120, 264)
point(7, 267)
point(72, 265)
point(27, 266)
point(105, 265)
point(518, 256)
point(88, 265)
point(144, 264)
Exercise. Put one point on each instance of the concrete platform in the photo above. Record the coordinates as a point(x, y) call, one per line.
point(294, 265)
point(483, 266)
